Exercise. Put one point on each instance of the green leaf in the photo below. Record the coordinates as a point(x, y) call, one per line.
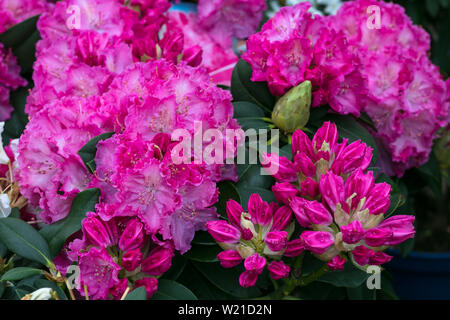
point(243, 89)
point(351, 129)
point(26, 53)
point(24, 240)
point(253, 123)
point(89, 150)
point(20, 273)
point(171, 290)
point(2, 288)
point(3, 250)
point(432, 7)
point(226, 280)
point(245, 109)
point(252, 177)
point(350, 277)
point(57, 233)
point(137, 294)
point(203, 253)
point(18, 34)
point(227, 191)
point(15, 125)
point(397, 197)
point(179, 263)
point(43, 283)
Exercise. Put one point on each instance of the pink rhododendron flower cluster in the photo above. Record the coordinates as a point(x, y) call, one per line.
point(85, 44)
point(355, 66)
point(295, 46)
point(15, 11)
point(255, 237)
point(115, 255)
point(230, 18)
point(135, 170)
point(10, 79)
point(328, 189)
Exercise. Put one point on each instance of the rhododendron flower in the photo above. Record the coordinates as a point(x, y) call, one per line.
point(230, 18)
point(257, 235)
point(295, 46)
point(15, 11)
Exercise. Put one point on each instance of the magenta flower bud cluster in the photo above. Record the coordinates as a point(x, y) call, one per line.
point(345, 213)
point(255, 237)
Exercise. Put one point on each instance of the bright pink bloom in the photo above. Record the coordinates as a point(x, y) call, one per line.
point(98, 272)
point(284, 192)
point(317, 213)
point(221, 231)
point(337, 263)
point(294, 248)
point(229, 258)
point(353, 232)
point(376, 237)
point(234, 212)
point(362, 255)
point(132, 236)
point(276, 240)
point(259, 210)
point(132, 259)
point(317, 241)
point(401, 227)
point(255, 263)
point(281, 218)
point(248, 279)
point(380, 258)
point(95, 232)
point(158, 261)
point(278, 270)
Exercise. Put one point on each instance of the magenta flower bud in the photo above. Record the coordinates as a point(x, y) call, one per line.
point(278, 270)
point(150, 284)
point(255, 263)
point(353, 232)
point(95, 232)
point(309, 188)
point(332, 189)
point(229, 258)
point(158, 261)
point(304, 164)
point(248, 279)
point(132, 236)
point(221, 231)
point(280, 168)
point(326, 134)
point(282, 218)
point(298, 207)
point(294, 248)
point(317, 213)
point(379, 258)
point(359, 183)
point(301, 143)
point(284, 192)
point(362, 255)
point(234, 212)
point(317, 241)
point(132, 259)
point(276, 240)
point(337, 263)
point(260, 211)
point(193, 56)
point(401, 226)
point(355, 155)
point(376, 237)
point(378, 199)
point(247, 234)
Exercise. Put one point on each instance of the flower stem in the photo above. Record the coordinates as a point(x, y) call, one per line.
point(313, 276)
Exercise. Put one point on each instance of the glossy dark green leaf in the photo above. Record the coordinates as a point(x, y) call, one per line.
point(350, 277)
point(15, 125)
point(203, 253)
point(171, 290)
point(245, 109)
point(57, 233)
point(137, 294)
point(20, 273)
point(226, 280)
point(243, 89)
point(24, 240)
point(253, 177)
point(18, 34)
point(89, 150)
point(227, 191)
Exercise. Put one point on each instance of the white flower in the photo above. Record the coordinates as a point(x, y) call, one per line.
point(42, 294)
point(5, 208)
